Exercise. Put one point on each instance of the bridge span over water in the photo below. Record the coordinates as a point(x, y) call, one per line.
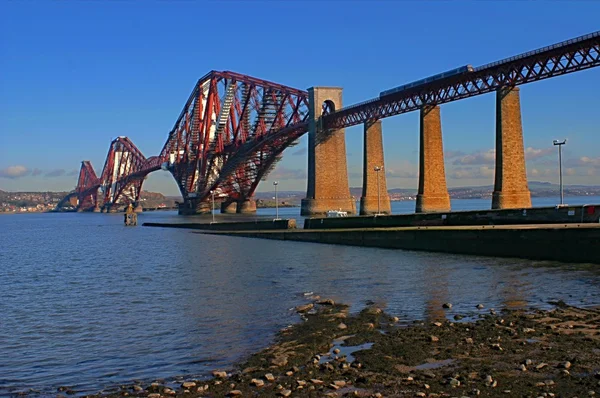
point(234, 128)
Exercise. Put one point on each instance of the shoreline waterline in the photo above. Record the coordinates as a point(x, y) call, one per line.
point(334, 352)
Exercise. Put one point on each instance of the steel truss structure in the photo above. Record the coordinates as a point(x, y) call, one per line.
point(234, 128)
point(121, 180)
point(229, 135)
point(88, 197)
point(124, 172)
point(559, 59)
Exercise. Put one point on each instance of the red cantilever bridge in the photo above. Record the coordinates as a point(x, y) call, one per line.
point(234, 128)
point(229, 135)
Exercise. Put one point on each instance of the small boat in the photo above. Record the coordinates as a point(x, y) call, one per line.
point(337, 213)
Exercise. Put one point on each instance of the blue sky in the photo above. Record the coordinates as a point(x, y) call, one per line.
point(74, 75)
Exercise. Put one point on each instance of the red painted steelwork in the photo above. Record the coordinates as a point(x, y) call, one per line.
point(121, 180)
point(562, 58)
point(234, 128)
point(124, 172)
point(86, 194)
point(228, 135)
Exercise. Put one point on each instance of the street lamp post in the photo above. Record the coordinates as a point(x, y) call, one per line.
point(560, 144)
point(275, 183)
point(212, 209)
point(377, 170)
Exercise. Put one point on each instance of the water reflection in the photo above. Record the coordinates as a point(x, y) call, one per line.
point(513, 292)
point(437, 293)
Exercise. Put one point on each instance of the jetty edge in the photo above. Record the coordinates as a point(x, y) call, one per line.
point(573, 243)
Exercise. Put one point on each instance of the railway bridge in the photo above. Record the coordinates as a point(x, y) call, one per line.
point(234, 128)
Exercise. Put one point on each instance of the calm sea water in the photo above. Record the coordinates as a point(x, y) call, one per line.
point(88, 303)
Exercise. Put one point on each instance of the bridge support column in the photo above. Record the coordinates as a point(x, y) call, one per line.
point(372, 200)
point(96, 209)
point(246, 206)
point(510, 186)
point(202, 207)
point(191, 207)
point(327, 171)
point(433, 191)
point(229, 208)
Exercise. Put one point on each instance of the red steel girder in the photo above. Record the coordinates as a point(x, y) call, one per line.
point(131, 169)
point(87, 186)
point(124, 172)
point(253, 161)
point(87, 177)
point(225, 114)
point(559, 59)
point(234, 128)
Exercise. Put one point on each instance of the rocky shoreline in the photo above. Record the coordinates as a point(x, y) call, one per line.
point(535, 353)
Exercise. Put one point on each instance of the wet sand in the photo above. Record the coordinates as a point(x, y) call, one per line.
point(332, 353)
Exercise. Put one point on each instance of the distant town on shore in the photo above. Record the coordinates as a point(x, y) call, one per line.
point(23, 202)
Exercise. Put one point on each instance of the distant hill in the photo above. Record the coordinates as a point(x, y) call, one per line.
point(537, 189)
point(280, 194)
point(155, 199)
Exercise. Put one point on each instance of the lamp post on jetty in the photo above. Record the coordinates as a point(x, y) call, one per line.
point(275, 183)
point(560, 144)
point(377, 170)
point(212, 208)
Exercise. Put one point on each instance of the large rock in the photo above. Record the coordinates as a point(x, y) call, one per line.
point(219, 374)
point(279, 361)
point(304, 308)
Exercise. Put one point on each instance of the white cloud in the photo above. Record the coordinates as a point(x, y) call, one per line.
point(401, 169)
point(461, 173)
point(536, 153)
point(477, 158)
point(536, 172)
point(13, 172)
point(488, 157)
point(587, 161)
point(401, 173)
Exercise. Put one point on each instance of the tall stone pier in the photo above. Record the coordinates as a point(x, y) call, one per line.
point(192, 206)
point(246, 206)
point(510, 186)
point(433, 191)
point(374, 200)
point(327, 170)
point(229, 207)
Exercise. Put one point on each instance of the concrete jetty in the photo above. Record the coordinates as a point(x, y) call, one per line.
point(262, 225)
point(578, 243)
point(580, 214)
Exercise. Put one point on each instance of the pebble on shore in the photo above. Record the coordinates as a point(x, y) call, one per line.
point(492, 356)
